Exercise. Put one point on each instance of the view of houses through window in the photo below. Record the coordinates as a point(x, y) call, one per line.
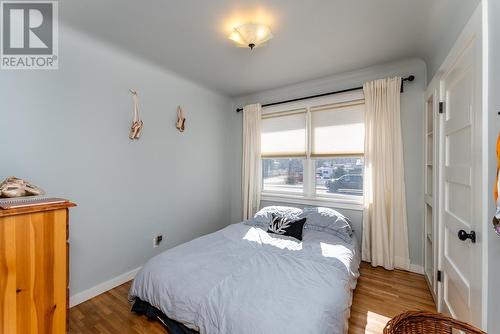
point(339, 175)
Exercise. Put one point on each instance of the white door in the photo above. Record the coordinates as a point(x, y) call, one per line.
point(461, 187)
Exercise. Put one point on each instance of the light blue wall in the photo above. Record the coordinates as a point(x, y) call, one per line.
point(67, 131)
point(412, 115)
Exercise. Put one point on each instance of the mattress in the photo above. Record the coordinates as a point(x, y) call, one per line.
point(242, 279)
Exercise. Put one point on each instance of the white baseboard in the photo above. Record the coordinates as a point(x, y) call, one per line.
point(417, 269)
point(101, 288)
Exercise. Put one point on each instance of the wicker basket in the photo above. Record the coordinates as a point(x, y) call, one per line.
point(417, 322)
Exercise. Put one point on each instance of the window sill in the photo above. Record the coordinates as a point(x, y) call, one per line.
point(340, 203)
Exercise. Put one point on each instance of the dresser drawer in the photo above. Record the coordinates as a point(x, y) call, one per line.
point(34, 272)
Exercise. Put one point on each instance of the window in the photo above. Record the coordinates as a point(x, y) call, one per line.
point(342, 176)
point(284, 134)
point(283, 175)
point(314, 149)
point(338, 130)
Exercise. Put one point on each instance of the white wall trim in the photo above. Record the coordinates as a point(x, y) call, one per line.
point(318, 201)
point(416, 268)
point(102, 287)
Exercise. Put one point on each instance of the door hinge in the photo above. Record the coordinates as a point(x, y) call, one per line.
point(439, 276)
point(441, 107)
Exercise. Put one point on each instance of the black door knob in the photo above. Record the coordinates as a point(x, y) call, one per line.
point(462, 235)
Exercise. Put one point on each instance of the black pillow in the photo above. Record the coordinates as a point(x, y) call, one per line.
point(286, 226)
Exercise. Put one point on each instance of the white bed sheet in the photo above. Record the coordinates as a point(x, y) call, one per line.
point(243, 280)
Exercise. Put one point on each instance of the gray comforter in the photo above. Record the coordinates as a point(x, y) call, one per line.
point(243, 280)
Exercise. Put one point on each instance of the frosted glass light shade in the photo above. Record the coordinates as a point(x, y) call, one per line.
point(251, 35)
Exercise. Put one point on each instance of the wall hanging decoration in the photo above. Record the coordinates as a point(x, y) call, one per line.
point(137, 124)
point(16, 187)
point(496, 190)
point(181, 121)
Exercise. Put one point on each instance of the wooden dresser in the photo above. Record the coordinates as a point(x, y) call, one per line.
point(34, 277)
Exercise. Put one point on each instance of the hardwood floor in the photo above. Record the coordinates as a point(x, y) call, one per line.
point(382, 294)
point(379, 296)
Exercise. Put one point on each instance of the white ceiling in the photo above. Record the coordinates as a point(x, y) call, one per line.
point(312, 39)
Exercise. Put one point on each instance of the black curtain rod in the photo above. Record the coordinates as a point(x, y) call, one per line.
point(409, 78)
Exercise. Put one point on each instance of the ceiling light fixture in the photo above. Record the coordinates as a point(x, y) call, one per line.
point(251, 35)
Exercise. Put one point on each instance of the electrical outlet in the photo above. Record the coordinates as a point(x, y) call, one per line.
point(157, 239)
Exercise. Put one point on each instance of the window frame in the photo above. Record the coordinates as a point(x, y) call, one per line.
point(285, 193)
point(309, 196)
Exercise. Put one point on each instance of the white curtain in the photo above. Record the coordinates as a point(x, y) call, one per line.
point(251, 165)
point(385, 231)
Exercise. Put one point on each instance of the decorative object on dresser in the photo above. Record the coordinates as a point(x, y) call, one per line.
point(137, 124)
point(16, 187)
point(34, 271)
point(181, 120)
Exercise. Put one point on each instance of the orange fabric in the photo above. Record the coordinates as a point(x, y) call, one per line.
point(495, 191)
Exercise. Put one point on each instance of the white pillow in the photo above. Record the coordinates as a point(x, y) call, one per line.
point(264, 215)
point(325, 219)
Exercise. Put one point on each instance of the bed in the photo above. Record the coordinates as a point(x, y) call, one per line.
point(242, 279)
